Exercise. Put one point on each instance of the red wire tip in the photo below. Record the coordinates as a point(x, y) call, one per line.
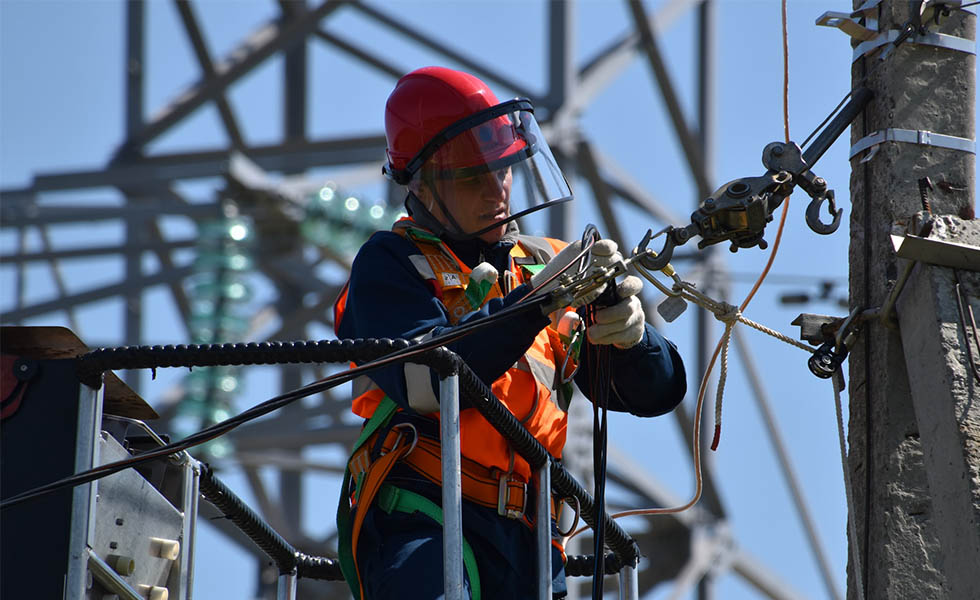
point(717, 438)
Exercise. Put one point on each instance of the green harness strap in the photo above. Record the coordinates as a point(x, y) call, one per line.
point(390, 498)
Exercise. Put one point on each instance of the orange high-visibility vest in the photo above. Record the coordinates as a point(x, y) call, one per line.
point(528, 389)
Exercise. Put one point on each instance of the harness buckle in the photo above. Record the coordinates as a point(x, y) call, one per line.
point(503, 496)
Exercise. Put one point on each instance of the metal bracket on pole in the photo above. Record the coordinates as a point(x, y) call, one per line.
point(452, 488)
point(846, 23)
point(937, 252)
point(862, 24)
point(911, 136)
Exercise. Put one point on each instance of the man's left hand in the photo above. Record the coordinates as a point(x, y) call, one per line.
point(621, 324)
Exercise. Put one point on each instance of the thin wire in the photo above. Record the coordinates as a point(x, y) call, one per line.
point(830, 116)
point(848, 488)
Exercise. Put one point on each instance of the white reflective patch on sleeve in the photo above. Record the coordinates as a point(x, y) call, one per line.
point(418, 384)
point(422, 266)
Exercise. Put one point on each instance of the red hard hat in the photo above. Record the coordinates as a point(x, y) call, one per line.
point(427, 102)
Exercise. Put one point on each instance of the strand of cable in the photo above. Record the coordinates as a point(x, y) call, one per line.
point(726, 313)
point(286, 557)
point(729, 315)
point(589, 238)
point(852, 544)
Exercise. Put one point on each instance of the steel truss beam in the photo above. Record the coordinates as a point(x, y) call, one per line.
point(210, 163)
point(260, 45)
point(119, 289)
point(91, 251)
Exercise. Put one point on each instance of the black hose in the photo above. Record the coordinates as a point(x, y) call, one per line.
point(584, 565)
point(286, 557)
point(90, 367)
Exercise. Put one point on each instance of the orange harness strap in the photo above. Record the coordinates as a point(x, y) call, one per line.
point(491, 488)
point(374, 477)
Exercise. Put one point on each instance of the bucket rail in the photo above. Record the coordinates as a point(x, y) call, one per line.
point(292, 563)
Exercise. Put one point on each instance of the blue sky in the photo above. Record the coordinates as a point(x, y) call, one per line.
point(62, 109)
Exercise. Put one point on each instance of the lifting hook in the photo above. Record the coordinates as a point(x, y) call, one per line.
point(655, 261)
point(813, 214)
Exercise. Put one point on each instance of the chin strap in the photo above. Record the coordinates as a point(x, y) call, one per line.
point(418, 211)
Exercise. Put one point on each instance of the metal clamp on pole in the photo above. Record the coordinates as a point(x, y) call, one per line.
point(911, 136)
point(452, 487)
point(938, 40)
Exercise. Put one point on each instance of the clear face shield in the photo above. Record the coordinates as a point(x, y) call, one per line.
point(487, 170)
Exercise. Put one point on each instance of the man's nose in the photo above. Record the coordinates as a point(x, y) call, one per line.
point(492, 186)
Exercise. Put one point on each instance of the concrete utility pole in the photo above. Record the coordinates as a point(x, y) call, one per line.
point(914, 411)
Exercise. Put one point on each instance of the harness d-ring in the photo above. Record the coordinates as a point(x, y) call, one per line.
point(415, 437)
point(571, 528)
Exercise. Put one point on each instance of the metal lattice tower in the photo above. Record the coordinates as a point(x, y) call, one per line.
point(269, 183)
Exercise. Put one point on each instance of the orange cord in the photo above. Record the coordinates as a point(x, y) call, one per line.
point(696, 444)
point(782, 217)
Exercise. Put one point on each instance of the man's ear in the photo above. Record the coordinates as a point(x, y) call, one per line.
point(424, 194)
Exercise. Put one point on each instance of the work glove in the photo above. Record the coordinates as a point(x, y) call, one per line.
point(604, 253)
point(623, 323)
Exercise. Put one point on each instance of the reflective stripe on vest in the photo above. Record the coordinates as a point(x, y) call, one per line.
point(418, 388)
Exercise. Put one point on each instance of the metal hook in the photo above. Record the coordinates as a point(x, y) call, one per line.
point(813, 214)
point(655, 261)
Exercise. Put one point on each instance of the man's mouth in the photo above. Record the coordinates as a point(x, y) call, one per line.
point(495, 215)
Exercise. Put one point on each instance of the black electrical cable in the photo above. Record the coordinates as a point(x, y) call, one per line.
point(401, 354)
point(600, 403)
point(601, 381)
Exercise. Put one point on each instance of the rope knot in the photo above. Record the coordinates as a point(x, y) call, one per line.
point(727, 313)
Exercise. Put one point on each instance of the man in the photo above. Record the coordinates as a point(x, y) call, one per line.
point(466, 159)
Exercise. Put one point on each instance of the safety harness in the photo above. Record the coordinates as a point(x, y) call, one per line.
point(384, 441)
